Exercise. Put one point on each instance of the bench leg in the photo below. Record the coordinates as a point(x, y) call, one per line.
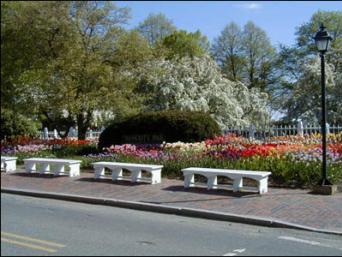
point(117, 174)
point(30, 167)
point(99, 172)
point(156, 177)
point(9, 166)
point(45, 168)
point(74, 170)
point(263, 186)
point(136, 176)
point(238, 184)
point(59, 169)
point(212, 183)
point(189, 180)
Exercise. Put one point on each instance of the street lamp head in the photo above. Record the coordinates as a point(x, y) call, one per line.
point(322, 39)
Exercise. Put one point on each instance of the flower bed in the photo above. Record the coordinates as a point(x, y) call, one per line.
point(292, 160)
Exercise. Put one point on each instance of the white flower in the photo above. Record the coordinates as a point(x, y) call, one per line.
point(196, 84)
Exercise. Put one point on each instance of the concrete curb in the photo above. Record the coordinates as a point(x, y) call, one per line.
point(181, 211)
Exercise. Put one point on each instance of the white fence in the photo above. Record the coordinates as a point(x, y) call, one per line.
point(299, 129)
point(90, 134)
point(250, 132)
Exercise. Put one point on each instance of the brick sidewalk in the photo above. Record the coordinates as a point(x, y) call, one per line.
point(288, 205)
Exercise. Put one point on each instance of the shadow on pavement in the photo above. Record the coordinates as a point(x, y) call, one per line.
point(38, 175)
point(110, 181)
point(221, 192)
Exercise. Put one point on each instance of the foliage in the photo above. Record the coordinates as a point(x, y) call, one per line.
point(156, 27)
point(32, 33)
point(156, 127)
point(69, 44)
point(14, 124)
point(227, 51)
point(303, 101)
point(300, 72)
point(196, 84)
point(305, 33)
point(246, 55)
point(259, 55)
point(181, 44)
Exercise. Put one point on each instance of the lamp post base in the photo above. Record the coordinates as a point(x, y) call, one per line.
point(325, 189)
point(324, 182)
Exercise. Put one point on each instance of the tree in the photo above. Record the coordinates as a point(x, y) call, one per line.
point(181, 43)
point(305, 33)
point(259, 55)
point(291, 65)
point(131, 51)
point(70, 73)
point(13, 125)
point(227, 51)
point(246, 55)
point(32, 34)
point(155, 27)
point(305, 98)
point(196, 84)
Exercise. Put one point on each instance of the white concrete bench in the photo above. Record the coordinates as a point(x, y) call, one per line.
point(8, 163)
point(236, 175)
point(54, 166)
point(135, 169)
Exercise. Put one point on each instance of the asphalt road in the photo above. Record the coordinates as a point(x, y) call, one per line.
point(34, 226)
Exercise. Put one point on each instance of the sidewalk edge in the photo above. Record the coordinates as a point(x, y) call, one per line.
point(181, 211)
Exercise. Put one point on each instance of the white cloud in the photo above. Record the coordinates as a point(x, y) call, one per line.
point(250, 6)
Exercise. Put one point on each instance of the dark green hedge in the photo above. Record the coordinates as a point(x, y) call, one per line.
point(156, 127)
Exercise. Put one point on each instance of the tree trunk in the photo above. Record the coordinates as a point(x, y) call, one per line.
point(83, 123)
point(82, 127)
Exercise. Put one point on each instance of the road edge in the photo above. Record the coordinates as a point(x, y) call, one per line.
point(180, 211)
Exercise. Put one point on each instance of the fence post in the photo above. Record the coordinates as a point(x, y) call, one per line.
point(46, 133)
point(300, 128)
point(327, 128)
point(74, 132)
point(70, 132)
point(55, 134)
point(252, 131)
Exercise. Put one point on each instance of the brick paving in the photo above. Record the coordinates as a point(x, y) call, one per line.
point(290, 205)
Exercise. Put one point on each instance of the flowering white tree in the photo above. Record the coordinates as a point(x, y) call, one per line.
point(196, 84)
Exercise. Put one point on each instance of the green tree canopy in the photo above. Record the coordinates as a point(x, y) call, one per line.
point(227, 51)
point(295, 92)
point(64, 67)
point(181, 43)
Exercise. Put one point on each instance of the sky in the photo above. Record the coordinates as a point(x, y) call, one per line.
point(278, 18)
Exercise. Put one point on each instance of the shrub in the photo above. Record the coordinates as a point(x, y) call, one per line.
point(156, 127)
point(14, 124)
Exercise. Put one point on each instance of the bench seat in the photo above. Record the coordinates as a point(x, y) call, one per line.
point(135, 169)
point(51, 165)
point(236, 175)
point(8, 163)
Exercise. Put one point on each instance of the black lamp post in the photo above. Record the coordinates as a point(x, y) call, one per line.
point(323, 40)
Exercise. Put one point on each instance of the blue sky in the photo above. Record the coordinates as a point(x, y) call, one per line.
point(278, 19)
